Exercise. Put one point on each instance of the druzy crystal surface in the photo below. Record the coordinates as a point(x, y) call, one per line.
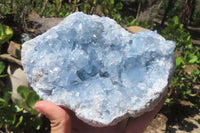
point(96, 68)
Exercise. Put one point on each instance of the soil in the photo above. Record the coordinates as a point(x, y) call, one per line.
point(182, 117)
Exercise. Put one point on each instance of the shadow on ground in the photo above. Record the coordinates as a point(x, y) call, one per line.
point(181, 116)
point(195, 33)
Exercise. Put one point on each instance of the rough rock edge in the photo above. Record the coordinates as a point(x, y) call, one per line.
point(149, 105)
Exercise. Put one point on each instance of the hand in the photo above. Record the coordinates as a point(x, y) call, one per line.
point(65, 121)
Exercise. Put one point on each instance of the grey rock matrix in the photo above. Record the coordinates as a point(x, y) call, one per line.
point(94, 67)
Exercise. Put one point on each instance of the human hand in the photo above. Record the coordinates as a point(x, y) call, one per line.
point(65, 121)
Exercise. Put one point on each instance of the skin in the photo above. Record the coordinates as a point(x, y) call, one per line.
point(65, 121)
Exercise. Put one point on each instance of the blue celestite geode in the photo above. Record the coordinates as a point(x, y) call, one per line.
point(96, 68)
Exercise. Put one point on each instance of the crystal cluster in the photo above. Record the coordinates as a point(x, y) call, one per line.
point(94, 67)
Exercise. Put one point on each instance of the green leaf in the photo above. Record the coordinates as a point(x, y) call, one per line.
point(175, 80)
point(94, 2)
point(66, 5)
point(2, 67)
point(14, 119)
point(179, 61)
point(175, 20)
point(182, 86)
point(189, 45)
point(119, 6)
point(18, 53)
point(131, 21)
point(20, 121)
point(86, 7)
point(118, 17)
point(18, 109)
point(188, 38)
point(196, 72)
point(106, 11)
point(111, 3)
point(102, 2)
point(32, 98)
point(23, 91)
point(5, 33)
point(167, 100)
point(188, 92)
point(192, 58)
point(144, 24)
point(2, 76)
point(2, 100)
point(7, 94)
point(37, 123)
point(21, 104)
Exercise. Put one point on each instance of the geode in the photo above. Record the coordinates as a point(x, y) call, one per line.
point(93, 66)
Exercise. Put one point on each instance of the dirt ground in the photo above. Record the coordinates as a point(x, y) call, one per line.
point(183, 117)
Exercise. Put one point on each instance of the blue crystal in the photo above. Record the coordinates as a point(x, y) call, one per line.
point(96, 68)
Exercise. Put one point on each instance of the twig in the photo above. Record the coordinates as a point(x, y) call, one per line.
point(70, 6)
point(138, 11)
point(170, 92)
point(60, 5)
point(197, 93)
point(9, 58)
point(44, 7)
point(75, 7)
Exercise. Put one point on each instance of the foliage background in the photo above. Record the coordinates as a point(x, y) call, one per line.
point(19, 116)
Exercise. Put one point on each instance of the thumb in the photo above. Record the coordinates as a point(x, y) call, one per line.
point(60, 120)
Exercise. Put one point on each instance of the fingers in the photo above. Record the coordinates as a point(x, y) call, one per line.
point(60, 120)
point(139, 124)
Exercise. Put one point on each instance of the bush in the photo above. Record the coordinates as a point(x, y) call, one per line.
point(183, 84)
point(20, 116)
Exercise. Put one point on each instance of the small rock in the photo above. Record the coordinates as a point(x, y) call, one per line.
point(135, 29)
point(14, 49)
